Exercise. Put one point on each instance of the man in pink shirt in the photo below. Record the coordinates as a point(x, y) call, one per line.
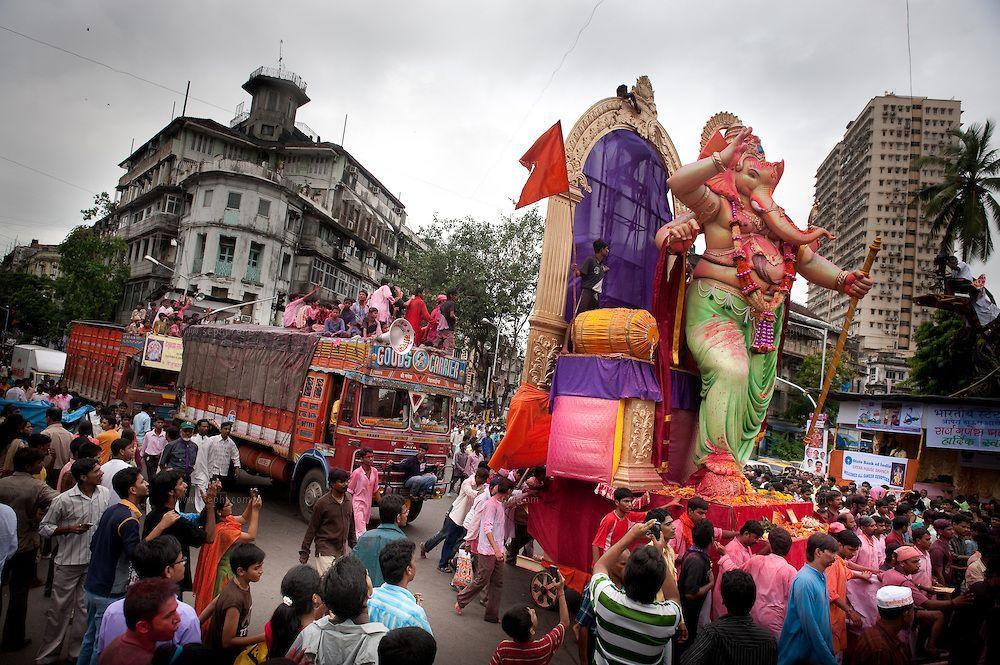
point(922, 541)
point(737, 552)
point(774, 577)
point(152, 445)
point(292, 308)
point(382, 300)
point(489, 555)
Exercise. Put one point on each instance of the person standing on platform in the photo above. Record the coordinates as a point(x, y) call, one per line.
point(697, 510)
point(364, 489)
point(591, 275)
point(806, 636)
point(447, 321)
point(774, 577)
point(331, 526)
point(737, 552)
point(417, 314)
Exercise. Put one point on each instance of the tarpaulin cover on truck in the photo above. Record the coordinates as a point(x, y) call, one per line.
point(262, 364)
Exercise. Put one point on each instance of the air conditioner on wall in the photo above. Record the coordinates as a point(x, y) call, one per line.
point(353, 170)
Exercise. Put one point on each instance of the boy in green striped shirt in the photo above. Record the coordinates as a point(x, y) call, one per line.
point(632, 627)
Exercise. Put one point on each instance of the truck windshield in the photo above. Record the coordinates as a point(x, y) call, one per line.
point(433, 414)
point(384, 407)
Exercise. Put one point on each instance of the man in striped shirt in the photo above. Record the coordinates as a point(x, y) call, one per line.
point(632, 627)
point(392, 604)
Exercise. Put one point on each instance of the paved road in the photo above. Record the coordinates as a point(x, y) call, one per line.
point(461, 639)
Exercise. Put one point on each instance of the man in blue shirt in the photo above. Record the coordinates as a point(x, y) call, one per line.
point(392, 513)
point(488, 445)
point(142, 422)
point(392, 604)
point(111, 547)
point(806, 636)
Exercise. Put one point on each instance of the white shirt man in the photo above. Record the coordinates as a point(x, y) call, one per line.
point(214, 457)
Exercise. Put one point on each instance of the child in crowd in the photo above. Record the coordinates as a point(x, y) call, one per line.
point(228, 633)
point(520, 623)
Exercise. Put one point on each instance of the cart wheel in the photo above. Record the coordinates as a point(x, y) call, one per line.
point(541, 590)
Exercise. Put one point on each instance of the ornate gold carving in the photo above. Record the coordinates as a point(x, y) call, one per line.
point(723, 120)
point(641, 441)
point(617, 113)
point(544, 350)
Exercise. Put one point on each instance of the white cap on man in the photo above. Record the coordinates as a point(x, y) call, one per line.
point(889, 597)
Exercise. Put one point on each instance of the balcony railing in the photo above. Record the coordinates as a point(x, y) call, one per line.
point(223, 268)
point(281, 73)
point(158, 220)
point(252, 275)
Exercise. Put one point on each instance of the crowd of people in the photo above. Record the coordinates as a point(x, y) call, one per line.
point(120, 515)
point(169, 318)
point(370, 316)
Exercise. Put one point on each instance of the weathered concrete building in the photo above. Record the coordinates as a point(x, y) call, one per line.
point(34, 258)
point(255, 210)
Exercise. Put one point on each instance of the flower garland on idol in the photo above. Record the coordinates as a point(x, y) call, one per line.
point(762, 308)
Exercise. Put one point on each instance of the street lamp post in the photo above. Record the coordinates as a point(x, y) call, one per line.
point(187, 278)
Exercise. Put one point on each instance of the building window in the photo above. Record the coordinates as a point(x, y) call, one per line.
point(172, 204)
point(201, 143)
point(227, 251)
point(206, 199)
point(253, 263)
point(199, 252)
point(263, 208)
point(286, 264)
point(220, 293)
point(233, 203)
point(267, 130)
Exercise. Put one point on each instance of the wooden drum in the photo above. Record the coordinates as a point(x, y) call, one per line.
point(620, 330)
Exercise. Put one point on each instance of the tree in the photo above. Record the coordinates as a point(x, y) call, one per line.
point(103, 206)
point(34, 312)
point(494, 267)
point(962, 204)
point(949, 357)
point(93, 272)
point(808, 376)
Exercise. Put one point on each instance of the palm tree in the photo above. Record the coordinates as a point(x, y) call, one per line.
point(962, 205)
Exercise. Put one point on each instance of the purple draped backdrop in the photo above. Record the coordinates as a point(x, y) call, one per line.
point(626, 206)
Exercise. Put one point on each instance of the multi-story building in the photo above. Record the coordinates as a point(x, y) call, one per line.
point(866, 187)
point(254, 211)
point(34, 259)
point(885, 373)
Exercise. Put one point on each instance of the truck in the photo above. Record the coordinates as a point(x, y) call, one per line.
point(302, 404)
point(105, 364)
point(37, 363)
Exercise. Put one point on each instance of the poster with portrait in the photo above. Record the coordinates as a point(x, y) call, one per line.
point(877, 470)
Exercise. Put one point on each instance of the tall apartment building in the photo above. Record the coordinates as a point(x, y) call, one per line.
point(867, 187)
point(254, 210)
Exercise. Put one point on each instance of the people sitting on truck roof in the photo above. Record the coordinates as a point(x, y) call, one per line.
point(334, 325)
point(293, 306)
point(370, 325)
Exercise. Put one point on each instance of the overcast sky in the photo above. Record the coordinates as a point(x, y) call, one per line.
point(443, 97)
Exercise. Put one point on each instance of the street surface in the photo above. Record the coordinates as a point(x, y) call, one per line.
point(461, 639)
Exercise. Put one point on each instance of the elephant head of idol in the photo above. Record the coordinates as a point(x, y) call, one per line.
point(749, 181)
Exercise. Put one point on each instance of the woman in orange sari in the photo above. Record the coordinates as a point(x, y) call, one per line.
point(213, 558)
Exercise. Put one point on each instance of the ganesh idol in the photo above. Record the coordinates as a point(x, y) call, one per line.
point(733, 310)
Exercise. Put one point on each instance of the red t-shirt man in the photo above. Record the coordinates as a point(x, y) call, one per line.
point(616, 524)
point(536, 652)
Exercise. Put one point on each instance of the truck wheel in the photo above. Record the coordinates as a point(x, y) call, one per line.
point(313, 486)
point(415, 506)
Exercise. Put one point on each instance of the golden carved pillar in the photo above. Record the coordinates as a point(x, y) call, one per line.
point(547, 325)
point(635, 467)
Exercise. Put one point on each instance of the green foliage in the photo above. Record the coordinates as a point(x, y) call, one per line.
point(34, 313)
point(948, 356)
point(494, 266)
point(93, 272)
point(103, 206)
point(786, 446)
point(808, 376)
point(962, 204)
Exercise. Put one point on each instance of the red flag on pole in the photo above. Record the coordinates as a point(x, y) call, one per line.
point(546, 160)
